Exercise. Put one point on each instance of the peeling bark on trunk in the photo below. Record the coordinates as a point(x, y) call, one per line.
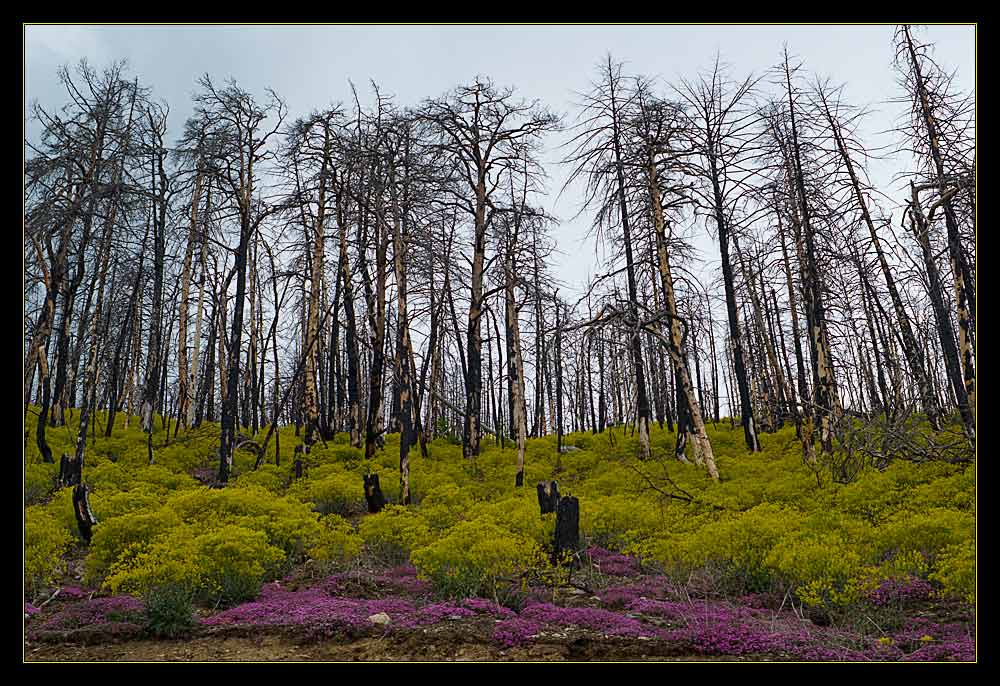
point(183, 392)
point(825, 396)
point(965, 298)
point(474, 342)
point(354, 419)
point(693, 427)
point(946, 333)
point(911, 350)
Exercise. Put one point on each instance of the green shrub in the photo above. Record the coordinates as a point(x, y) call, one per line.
point(268, 476)
point(39, 480)
point(445, 505)
point(338, 541)
point(617, 521)
point(927, 533)
point(738, 546)
point(822, 567)
point(118, 540)
point(287, 523)
point(519, 515)
point(169, 611)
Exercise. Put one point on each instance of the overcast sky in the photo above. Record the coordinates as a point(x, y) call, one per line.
point(309, 66)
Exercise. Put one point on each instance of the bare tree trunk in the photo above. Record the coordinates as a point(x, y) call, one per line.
point(694, 426)
point(946, 333)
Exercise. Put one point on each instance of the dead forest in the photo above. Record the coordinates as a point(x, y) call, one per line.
point(383, 268)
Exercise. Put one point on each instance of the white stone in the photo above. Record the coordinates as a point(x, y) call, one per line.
point(380, 619)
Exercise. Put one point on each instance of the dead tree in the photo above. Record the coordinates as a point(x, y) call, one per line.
point(721, 135)
point(482, 131)
point(598, 158)
point(238, 122)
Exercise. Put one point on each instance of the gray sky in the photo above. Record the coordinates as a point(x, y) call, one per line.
point(309, 66)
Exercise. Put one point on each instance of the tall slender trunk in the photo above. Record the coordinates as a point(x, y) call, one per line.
point(920, 224)
point(354, 420)
point(722, 226)
point(693, 426)
point(965, 297)
point(827, 403)
point(642, 400)
point(183, 392)
point(911, 350)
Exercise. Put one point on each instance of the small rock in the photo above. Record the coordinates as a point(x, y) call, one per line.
point(380, 619)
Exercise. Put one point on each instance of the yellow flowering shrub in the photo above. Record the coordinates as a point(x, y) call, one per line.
point(269, 477)
point(45, 541)
point(475, 556)
point(337, 492)
point(739, 545)
point(928, 532)
point(337, 540)
point(39, 479)
point(288, 524)
point(394, 532)
point(617, 521)
point(227, 564)
point(118, 539)
point(956, 571)
point(825, 569)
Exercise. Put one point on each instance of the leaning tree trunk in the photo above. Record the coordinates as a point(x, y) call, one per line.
point(914, 358)
point(965, 297)
point(700, 444)
point(946, 332)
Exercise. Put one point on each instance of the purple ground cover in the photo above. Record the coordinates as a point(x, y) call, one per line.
point(317, 609)
point(900, 591)
point(71, 592)
point(399, 580)
point(649, 608)
point(115, 615)
point(596, 619)
point(612, 563)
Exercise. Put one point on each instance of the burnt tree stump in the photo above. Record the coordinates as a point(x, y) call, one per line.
point(70, 470)
point(298, 469)
point(567, 534)
point(373, 494)
point(85, 518)
point(548, 496)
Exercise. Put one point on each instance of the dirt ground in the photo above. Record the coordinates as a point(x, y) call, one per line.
point(275, 648)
